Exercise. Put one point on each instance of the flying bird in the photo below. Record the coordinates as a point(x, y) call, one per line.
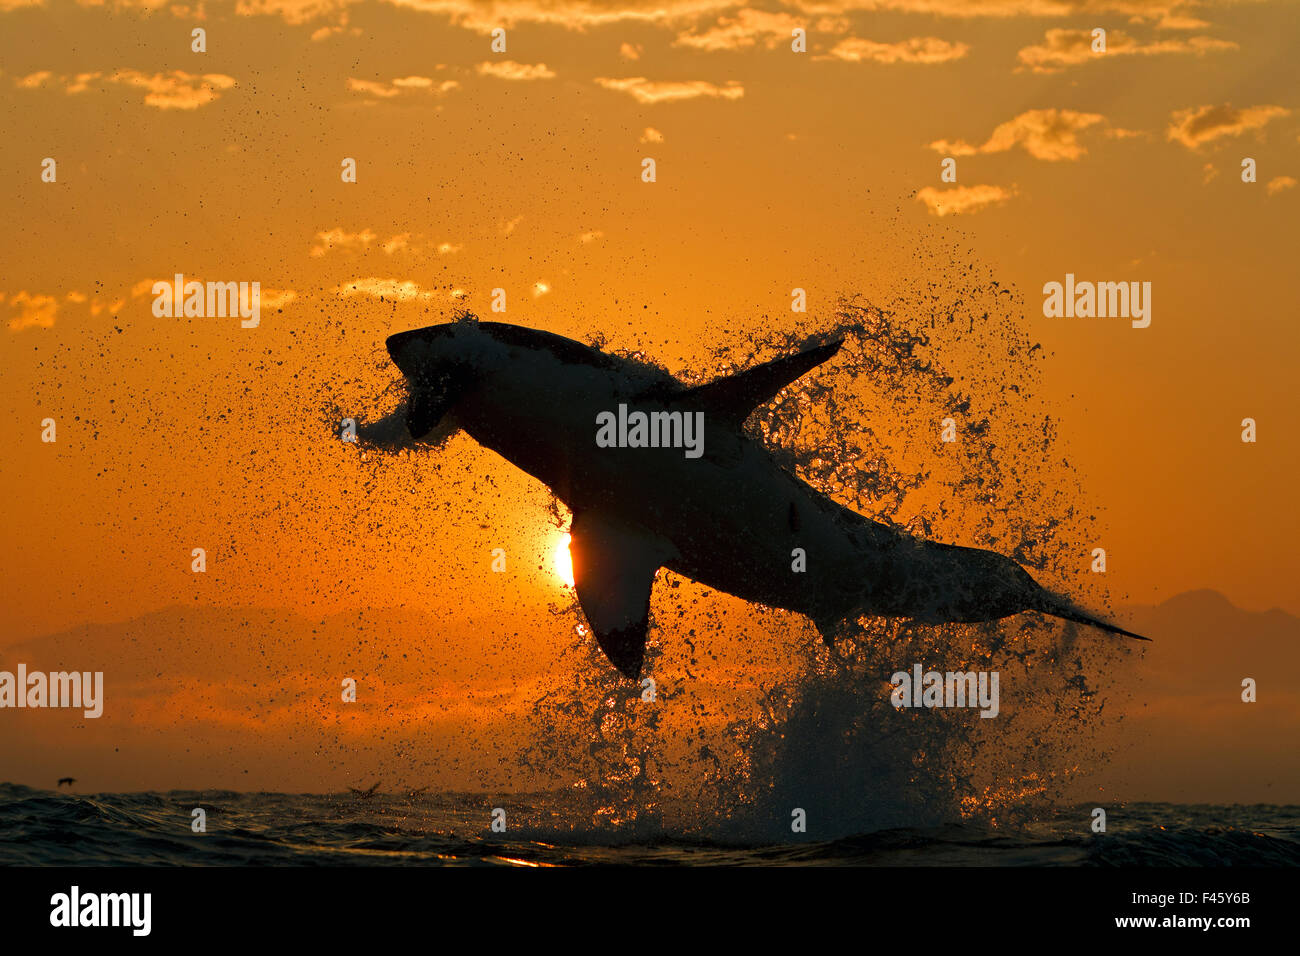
point(365, 794)
point(68, 780)
point(661, 474)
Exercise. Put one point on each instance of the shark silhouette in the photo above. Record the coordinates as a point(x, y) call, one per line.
point(724, 513)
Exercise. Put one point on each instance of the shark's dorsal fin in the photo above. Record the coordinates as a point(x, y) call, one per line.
point(734, 397)
point(614, 567)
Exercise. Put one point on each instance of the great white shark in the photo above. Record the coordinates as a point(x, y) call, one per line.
point(727, 515)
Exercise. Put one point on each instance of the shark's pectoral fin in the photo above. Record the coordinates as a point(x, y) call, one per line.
point(424, 409)
point(614, 567)
point(734, 397)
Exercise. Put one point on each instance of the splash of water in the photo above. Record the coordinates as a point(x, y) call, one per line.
point(821, 735)
point(824, 738)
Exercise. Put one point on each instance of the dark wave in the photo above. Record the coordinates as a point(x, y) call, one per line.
point(43, 828)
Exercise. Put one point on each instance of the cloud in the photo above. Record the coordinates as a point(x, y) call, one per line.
point(630, 51)
point(33, 311)
point(508, 226)
point(916, 50)
point(1198, 125)
point(653, 91)
point(399, 243)
point(747, 29)
point(33, 80)
point(175, 90)
point(324, 33)
point(1174, 21)
point(405, 242)
point(275, 298)
point(684, 16)
point(401, 290)
point(1208, 172)
point(651, 135)
point(1279, 183)
point(959, 199)
point(1049, 134)
point(341, 239)
point(1063, 48)
point(401, 85)
point(589, 237)
point(583, 15)
point(510, 70)
point(1163, 11)
point(266, 298)
point(576, 15)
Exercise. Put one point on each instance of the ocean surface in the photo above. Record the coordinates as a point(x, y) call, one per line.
point(41, 827)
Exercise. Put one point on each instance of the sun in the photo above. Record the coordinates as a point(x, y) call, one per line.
point(563, 563)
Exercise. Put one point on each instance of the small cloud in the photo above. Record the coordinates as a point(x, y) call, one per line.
point(1050, 135)
point(324, 33)
point(174, 90)
point(385, 90)
point(33, 80)
point(588, 237)
point(653, 91)
point(1065, 48)
point(630, 51)
point(1199, 125)
point(112, 308)
point(962, 199)
point(400, 290)
point(341, 239)
point(1279, 183)
point(508, 227)
point(33, 311)
point(916, 50)
point(510, 70)
point(1208, 172)
point(397, 87)
point(397, 244)
point(405, 242)
point(275, 298)
point(1174, 21)
point(540, 289)
point(652, 135)
point(747, 29)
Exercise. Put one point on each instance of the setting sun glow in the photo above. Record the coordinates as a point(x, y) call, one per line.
point(563, 564)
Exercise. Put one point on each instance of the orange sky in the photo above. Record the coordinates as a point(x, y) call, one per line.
point(521, 170)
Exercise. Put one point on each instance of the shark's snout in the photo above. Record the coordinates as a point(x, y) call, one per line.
point(403, 348)
point(436, 374)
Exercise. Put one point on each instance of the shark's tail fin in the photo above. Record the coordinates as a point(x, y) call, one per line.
point(1057, 606)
